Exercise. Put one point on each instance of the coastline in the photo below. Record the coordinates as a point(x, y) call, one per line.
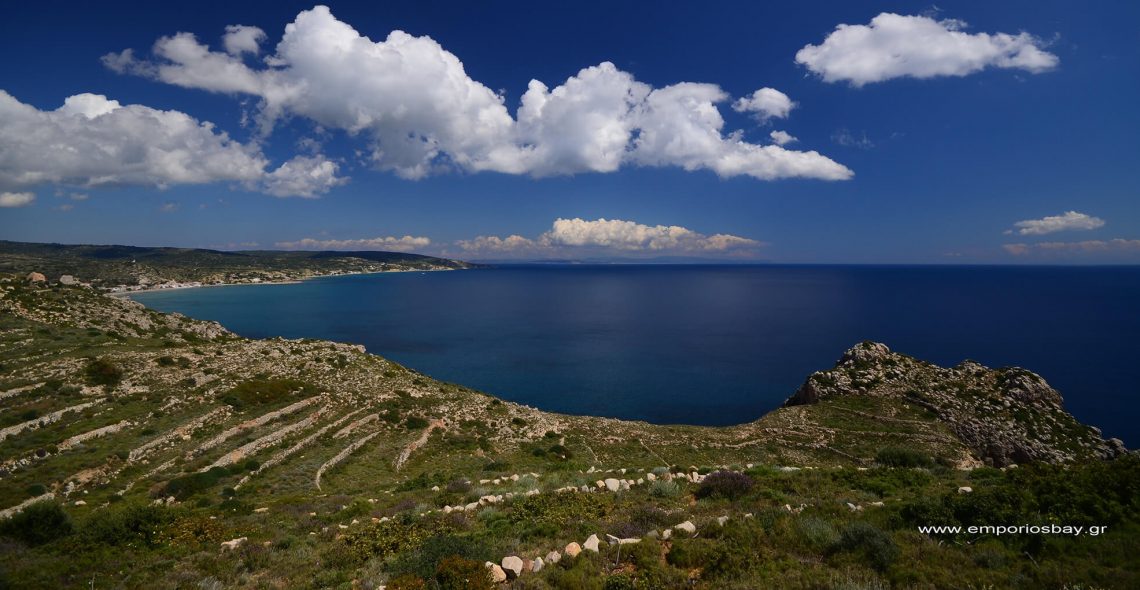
point(127, 294)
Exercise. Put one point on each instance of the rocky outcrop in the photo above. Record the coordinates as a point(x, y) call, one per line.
point(1004, 416)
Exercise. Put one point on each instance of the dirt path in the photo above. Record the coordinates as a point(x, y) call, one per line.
point(419, 442)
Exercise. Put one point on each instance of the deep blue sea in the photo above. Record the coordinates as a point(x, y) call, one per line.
point(708, 344)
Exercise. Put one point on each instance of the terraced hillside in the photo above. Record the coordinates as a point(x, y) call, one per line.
point(144, 450)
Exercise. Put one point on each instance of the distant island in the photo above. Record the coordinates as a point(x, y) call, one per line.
point(133, 268)
point(141, 449)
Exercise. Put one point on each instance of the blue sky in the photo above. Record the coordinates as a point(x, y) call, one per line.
point(923, 134)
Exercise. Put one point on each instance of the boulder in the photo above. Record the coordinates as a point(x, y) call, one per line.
point(573, 549)
point(36, 277)
point(553, 557)
point(513, 566)
point(687, 527)
point(722, 520)
point(497, 573)
point(965, 490)
point(612, 484)
point(68, 280)
point(591, 543)
point(537, 565)
point(666, 534)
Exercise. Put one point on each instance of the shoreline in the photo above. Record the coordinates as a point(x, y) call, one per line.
point(128, 294)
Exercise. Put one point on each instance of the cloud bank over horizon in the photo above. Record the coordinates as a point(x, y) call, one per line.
point(420, 114)
point(1067, 221)
point(611, 237)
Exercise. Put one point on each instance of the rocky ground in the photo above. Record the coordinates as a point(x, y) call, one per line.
point(254, 454)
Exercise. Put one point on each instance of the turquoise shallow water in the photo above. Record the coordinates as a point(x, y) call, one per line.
point(708, 344)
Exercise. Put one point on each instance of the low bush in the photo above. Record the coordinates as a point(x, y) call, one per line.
point(102, 372)
point(664, 489)
point(868, 541)
point(126, 524)
point(39, 523)
point(416, 423)
point(187, 485)
point(256, 392)
point(724, 484)
point(902, 457)
point(457, 573)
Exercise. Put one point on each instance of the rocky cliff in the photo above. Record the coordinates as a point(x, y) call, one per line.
point(1005, 416)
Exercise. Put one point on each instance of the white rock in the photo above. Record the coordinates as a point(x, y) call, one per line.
point(650, 477)
point(666, 534)
point(233, 543)
point(965, 490)
point(554, 557)
point(687, 527)
point(612, 484)
point(513, 566)
point(538, 565)
point(591, 543)
point(721, 520)
point(260, 510)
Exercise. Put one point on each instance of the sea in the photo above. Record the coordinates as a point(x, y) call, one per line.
point(708, 344)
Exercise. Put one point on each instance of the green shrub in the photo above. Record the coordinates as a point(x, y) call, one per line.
point(102, 372)
point(664, 489)
point(39, 523)
point(426, 560)
point(187, 485)
point(724, 484)
point(872, 544)
point(457, 573)
point(903, 457)
point(256, 392)
point(125, 524)
point(819, 534)
point(416, 423)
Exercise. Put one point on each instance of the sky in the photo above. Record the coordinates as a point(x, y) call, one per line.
point(827, 132)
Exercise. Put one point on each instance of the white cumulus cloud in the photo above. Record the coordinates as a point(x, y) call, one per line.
point(895, 46)
point(568, 237)
point(241, 39)
point(16, 199)
point(782, 137)
point(764, 104)
point(1067, 221)
point(420, 113)
point(388, 243)
point(92, 141)
point(302, 176)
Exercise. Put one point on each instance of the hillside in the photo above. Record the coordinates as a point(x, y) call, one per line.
point(146, 450)
point(108, 267)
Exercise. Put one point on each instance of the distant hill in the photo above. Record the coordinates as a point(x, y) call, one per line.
point(106, 266)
